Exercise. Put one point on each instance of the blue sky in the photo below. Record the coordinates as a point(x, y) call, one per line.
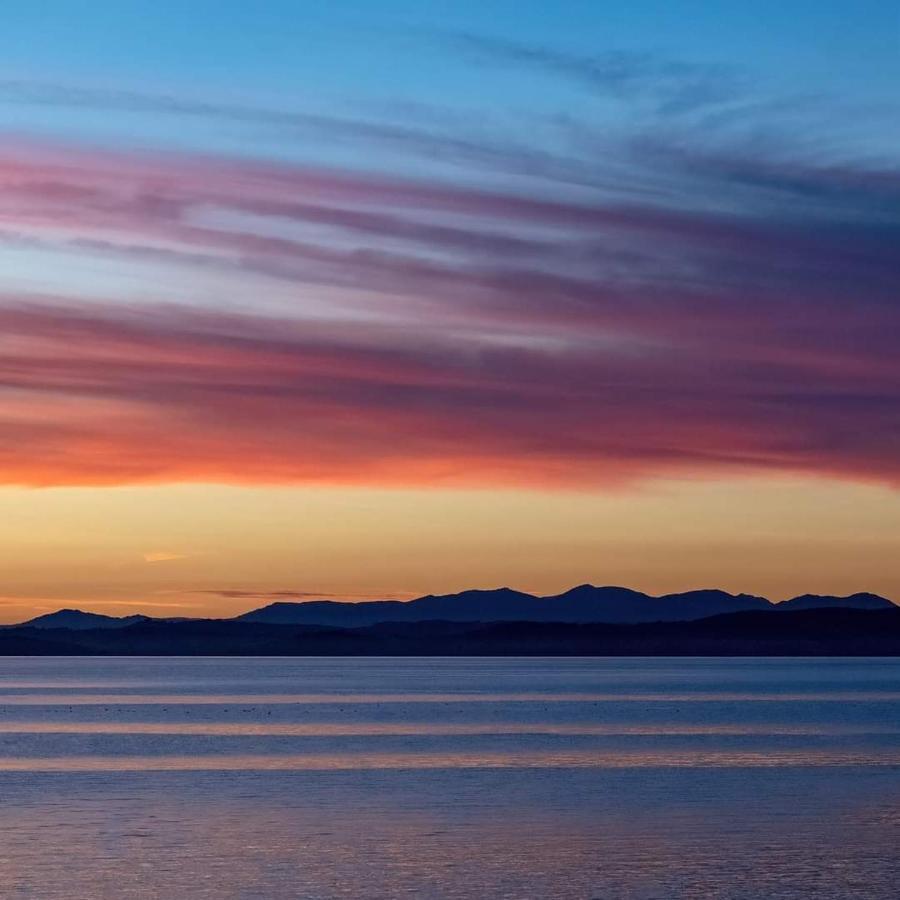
point(370, 58)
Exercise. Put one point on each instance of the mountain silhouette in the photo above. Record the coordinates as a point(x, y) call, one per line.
point(326, 612)
point(584, 604)
point(854, 601)
point(587, 603)
point(810, 632)
point(501, 604)
point(76, 620)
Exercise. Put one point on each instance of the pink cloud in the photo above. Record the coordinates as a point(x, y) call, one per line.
point(478, 337)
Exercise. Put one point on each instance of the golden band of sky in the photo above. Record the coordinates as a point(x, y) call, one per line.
point(204, 550)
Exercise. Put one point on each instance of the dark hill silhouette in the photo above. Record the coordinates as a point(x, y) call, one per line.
point(326, 612)
point(854, 601)
point(477, 606)
point(40, 642)
point(816, 632)
point(587, 603)
point(76, 620)
point(584, 604)
point(711, 602)
point(468, 606)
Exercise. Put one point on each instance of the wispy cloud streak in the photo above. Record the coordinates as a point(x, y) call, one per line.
point(671, 86)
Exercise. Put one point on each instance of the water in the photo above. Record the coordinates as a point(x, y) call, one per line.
point(483, 778)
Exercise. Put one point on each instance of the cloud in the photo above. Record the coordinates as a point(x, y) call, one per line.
point(266, 595)
point(673, 86)
point(173, 396)
point(432, 135)
point(153, 604)
point(725, 308)
point(162, 556)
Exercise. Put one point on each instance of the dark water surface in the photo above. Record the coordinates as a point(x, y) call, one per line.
point(483, 778)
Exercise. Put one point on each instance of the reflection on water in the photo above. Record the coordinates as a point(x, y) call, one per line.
point(316, 762)
point(382, 778)
point(62, 698)
point(324, 729)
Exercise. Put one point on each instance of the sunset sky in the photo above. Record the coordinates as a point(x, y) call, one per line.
point(364, 300)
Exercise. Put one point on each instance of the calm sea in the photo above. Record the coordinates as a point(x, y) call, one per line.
point(482, 778)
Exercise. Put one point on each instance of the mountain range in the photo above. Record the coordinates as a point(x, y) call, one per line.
point(803, 632)
point(584, 604)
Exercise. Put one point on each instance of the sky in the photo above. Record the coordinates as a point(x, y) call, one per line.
point(377, 299)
